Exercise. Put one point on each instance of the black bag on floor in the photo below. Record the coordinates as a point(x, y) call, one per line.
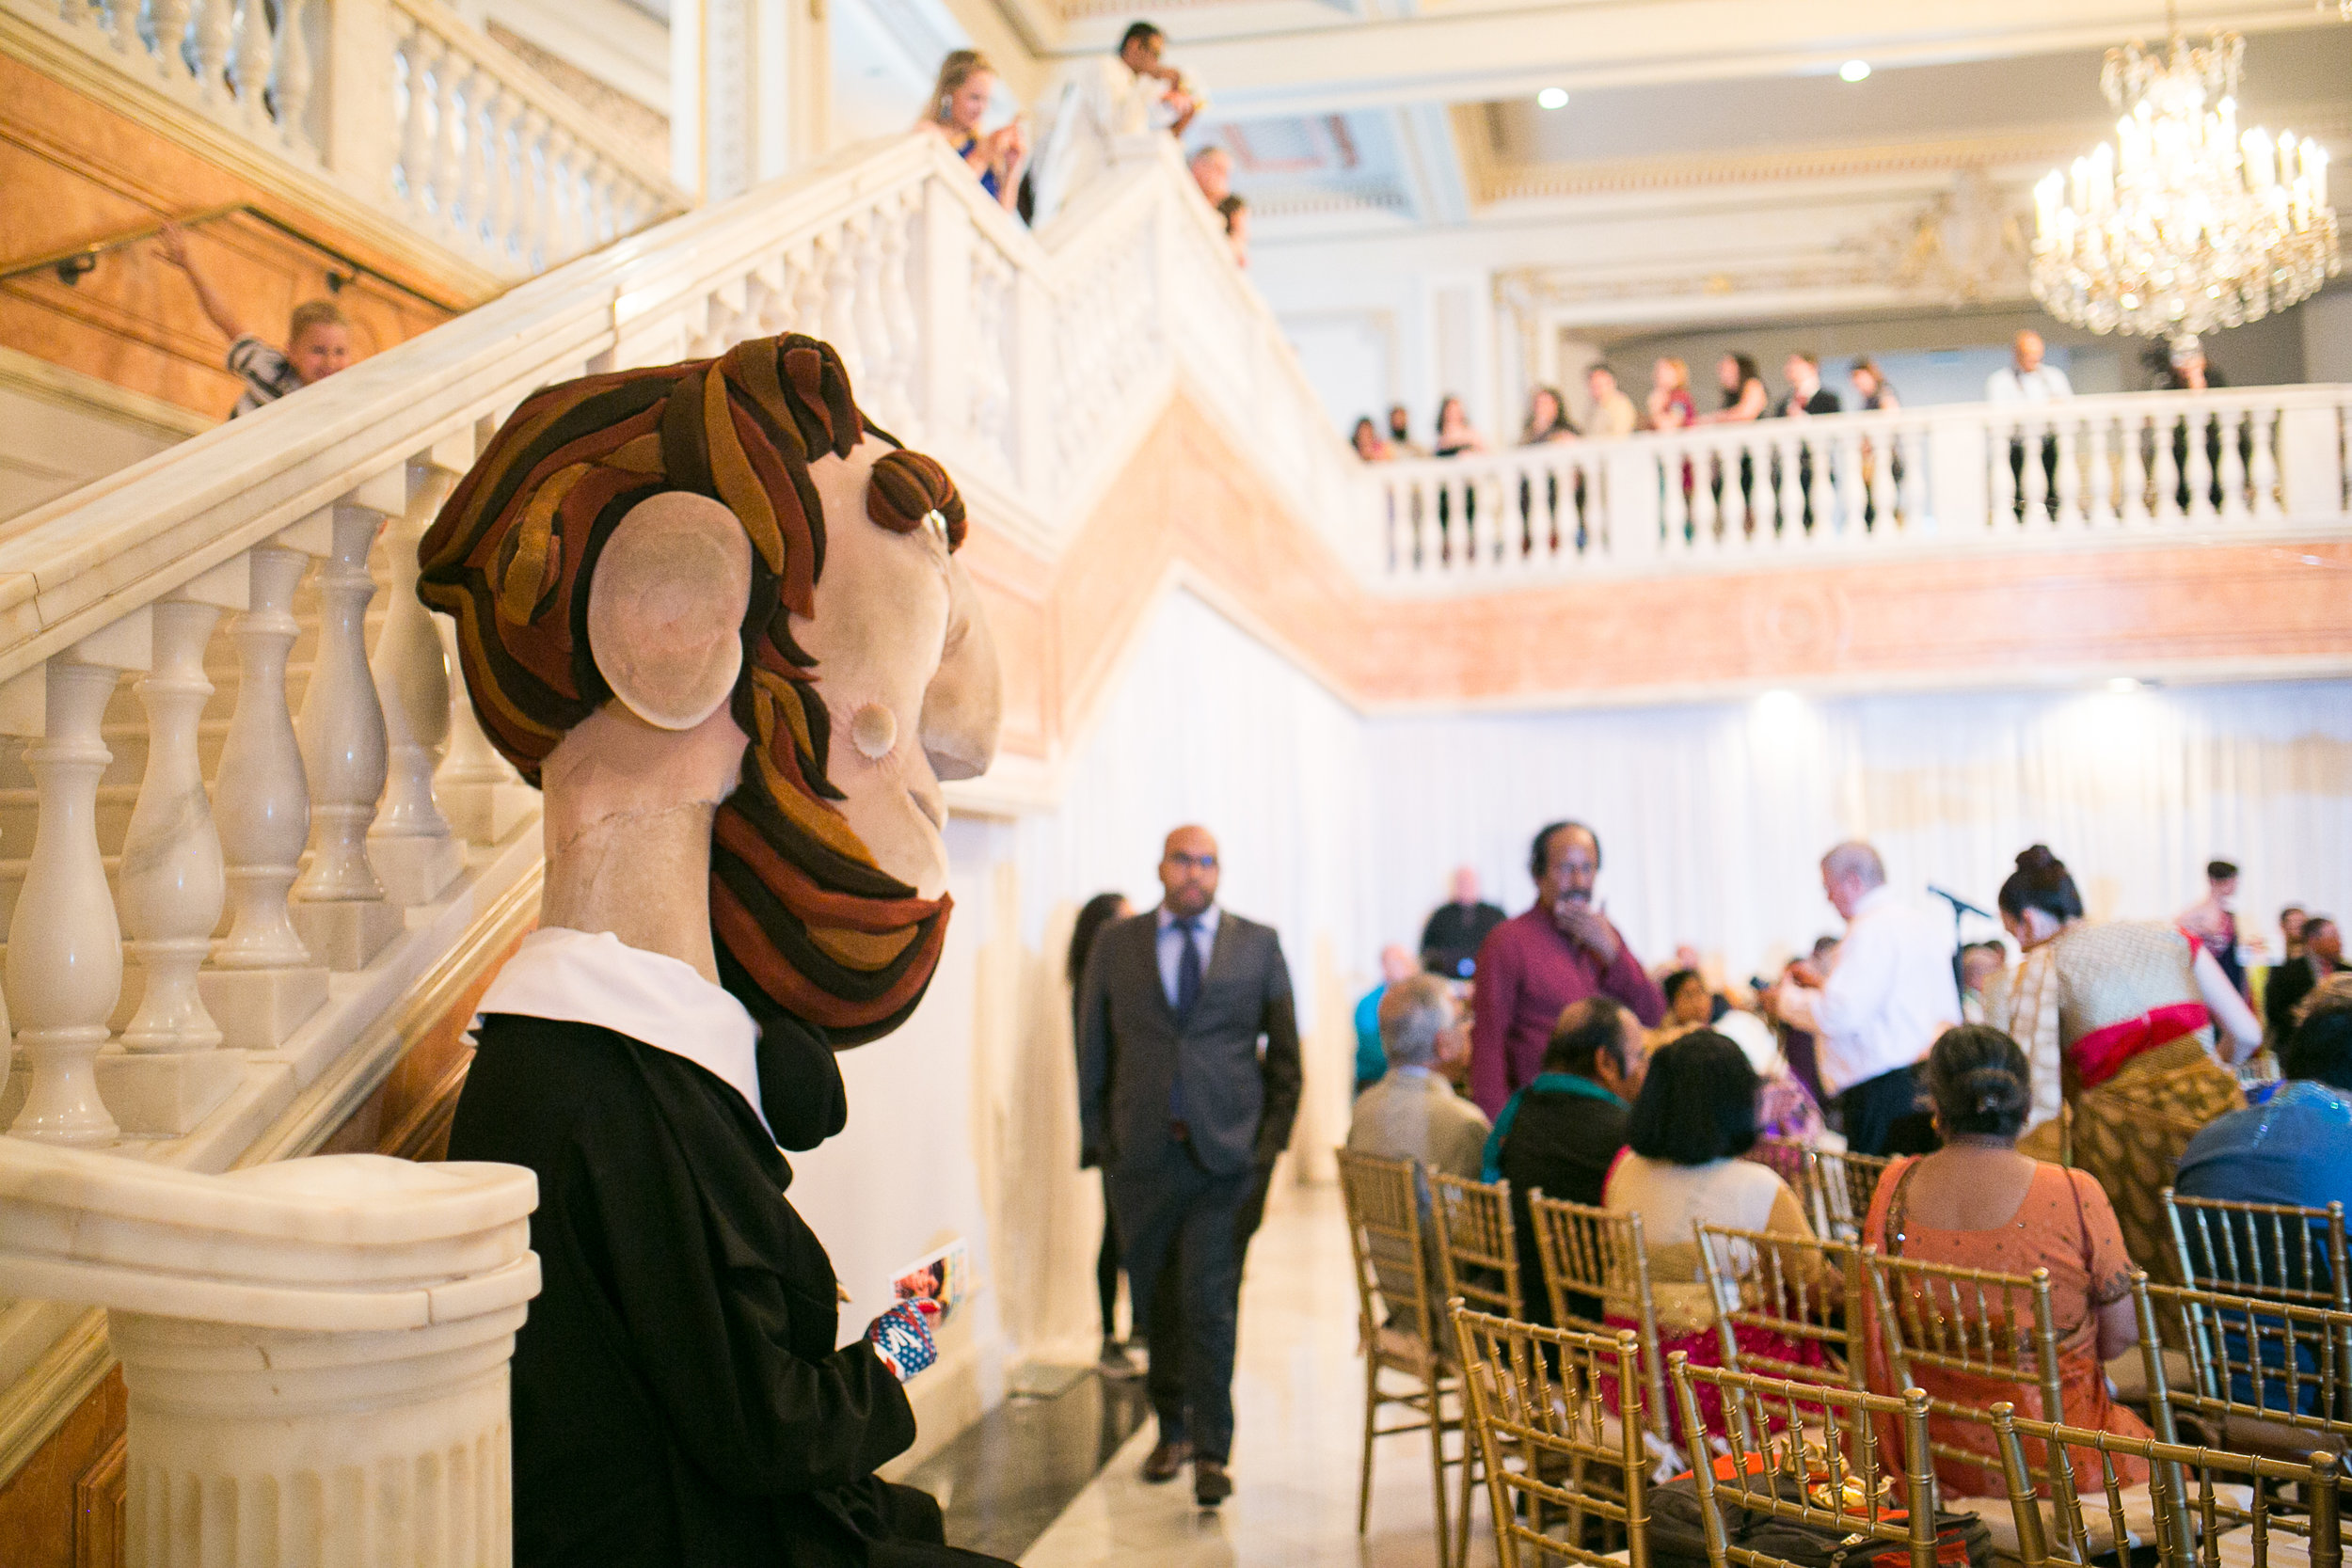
point(1677, 1534)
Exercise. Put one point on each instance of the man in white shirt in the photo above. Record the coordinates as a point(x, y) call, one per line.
point(1094, 101)
point(1889, 992)
point(2027, 382)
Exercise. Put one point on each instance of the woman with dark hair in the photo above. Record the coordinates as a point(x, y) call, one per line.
point(1547, 419)
point(1097, 912)
point(1455, 433)
point(1693, 1120)
point(1978, 1203)
point(1689, 1003)
point(1371, 445)
point(1743, 383)
point(2118, 1017)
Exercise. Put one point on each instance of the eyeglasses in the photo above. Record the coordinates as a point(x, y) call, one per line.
point(1203, 863)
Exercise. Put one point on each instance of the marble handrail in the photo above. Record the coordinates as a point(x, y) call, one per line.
point(1867, 485)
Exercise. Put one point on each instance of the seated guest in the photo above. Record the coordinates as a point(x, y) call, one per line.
point(1979, 963)
point(1561, 1134)
point(1451, 939)
point(1613, 413)
point(2295, 1148)
point(1980, 1204)
point(2323, 956)
point(1689, 1003)
point(1413, 1113)
point(1372, 1060)
point(1693, 1120)
point(2291, 923)
point(959, 103)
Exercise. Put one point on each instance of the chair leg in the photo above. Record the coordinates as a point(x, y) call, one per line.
point(1371, 1410)
point(1436, 1459)
point(1472, 1465)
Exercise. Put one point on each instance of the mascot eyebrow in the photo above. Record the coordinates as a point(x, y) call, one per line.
point(806, 925)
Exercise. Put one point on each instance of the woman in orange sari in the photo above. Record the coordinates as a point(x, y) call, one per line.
point(2118, 1015)
point(1977, 1203)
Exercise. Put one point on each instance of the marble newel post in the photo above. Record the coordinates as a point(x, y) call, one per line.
point(338, 905)
point(315, 1351)
point(171, 888)
point(65, 948)
point(411, 846)
point(262, 984)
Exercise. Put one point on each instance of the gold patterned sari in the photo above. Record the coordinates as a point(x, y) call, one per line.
point(2111, 1018)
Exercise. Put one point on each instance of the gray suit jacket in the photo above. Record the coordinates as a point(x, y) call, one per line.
point(1239, 1103)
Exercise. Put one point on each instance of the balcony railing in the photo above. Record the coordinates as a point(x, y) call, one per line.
point(407, 108)
point(1862, 486)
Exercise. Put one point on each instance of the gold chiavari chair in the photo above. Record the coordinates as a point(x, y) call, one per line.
point(1399, 1319)
point(2266, 1376)
point(1799, 1288)
point(1795, 1162)
point(1976, 1324)
point(2271, 1535)
point(1590, 1254)
point(1478, 1260)
point(1844, 1184)
point(1535, 1408)
point(2273, 1250)
point(1838, 1480)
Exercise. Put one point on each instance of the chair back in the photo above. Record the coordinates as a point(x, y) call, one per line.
point(2184, 1481)
point(2252, 1361)
point(1844, 1184)
point(1534, 1403)
point(1794, 1161)
point(1478, 1258)
point(1592, 1254)
point(2274, 1250)
point(1974, 1322)
point(1799, 1288)
point(1384, 1236)
point(1846, 1484)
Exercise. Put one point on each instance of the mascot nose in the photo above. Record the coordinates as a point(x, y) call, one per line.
point(965, 699)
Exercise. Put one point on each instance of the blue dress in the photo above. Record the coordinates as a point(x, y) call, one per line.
point(988, 176)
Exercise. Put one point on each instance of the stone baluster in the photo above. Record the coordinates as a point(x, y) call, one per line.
point(2262, 475)
point(838, 256)
point(527, 214)
point(768, 299)
point(215, 31)
point(64, 946)
point(123, 25)
point(447, 178)
point(416, 124)
point(293, 89)
point(171, 888)
point(2236, 428)
point(413, 852)
point(510, 177)
point(873, 328)
point(339, 905)
point(808, 293)
point(485, 149)
point(256, 51)
point(171, 30)
point(483, 797)
point(262, 983)
point(2198, 472)
point(556, 173)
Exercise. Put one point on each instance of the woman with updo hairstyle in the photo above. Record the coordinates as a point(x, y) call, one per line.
point(958, 104)
point(2118, 1020)
point(1978, 1203)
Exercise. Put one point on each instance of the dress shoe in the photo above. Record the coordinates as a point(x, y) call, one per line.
point(1166, 1459)
point(1115, 1362)
point(1211, 1484)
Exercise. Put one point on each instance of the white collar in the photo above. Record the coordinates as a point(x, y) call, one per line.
point(1876, 899)
point(1416, 1069)
point(594, 978)
point(1205, 921)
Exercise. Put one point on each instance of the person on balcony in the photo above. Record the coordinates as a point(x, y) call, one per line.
point(1613, 413)
point(318, 334)
point(1371, 445)
point(1806, 397)
point(2028, 381)
point(1212, 171)
point(959, 103)
point(1093, 103)
point(1401, 443)
point(1531, 967)
point(721, 916)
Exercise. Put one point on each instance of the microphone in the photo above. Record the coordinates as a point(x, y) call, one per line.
point(1958, 903)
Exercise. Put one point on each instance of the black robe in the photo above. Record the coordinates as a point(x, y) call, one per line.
point(678, 1395)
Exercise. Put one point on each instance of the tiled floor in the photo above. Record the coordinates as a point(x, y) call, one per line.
point(1298, 1398)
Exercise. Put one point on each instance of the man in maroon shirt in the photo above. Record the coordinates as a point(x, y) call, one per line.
point(1533, 965)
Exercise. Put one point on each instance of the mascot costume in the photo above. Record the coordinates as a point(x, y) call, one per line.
point(719, 621)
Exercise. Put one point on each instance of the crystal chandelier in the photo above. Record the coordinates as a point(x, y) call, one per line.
point(2182, 224)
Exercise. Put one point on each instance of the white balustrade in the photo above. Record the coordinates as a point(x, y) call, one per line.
point(473, 147)
point(1969, 477)
point(339, 905)
point(414, 853)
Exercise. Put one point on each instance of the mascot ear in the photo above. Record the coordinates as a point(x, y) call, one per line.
point(665, 608)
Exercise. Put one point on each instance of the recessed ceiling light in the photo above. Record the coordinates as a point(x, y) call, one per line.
point(1552, 98)
point(1855, 70)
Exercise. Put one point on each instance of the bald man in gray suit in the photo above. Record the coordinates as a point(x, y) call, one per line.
point(1188, 1082)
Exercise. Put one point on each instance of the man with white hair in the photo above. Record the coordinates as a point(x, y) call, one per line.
point(1886, 996)
point(1413, 1113)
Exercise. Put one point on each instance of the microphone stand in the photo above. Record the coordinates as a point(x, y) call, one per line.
point(1960, 907)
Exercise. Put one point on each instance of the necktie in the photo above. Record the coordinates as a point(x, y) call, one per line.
point(1188, 993)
